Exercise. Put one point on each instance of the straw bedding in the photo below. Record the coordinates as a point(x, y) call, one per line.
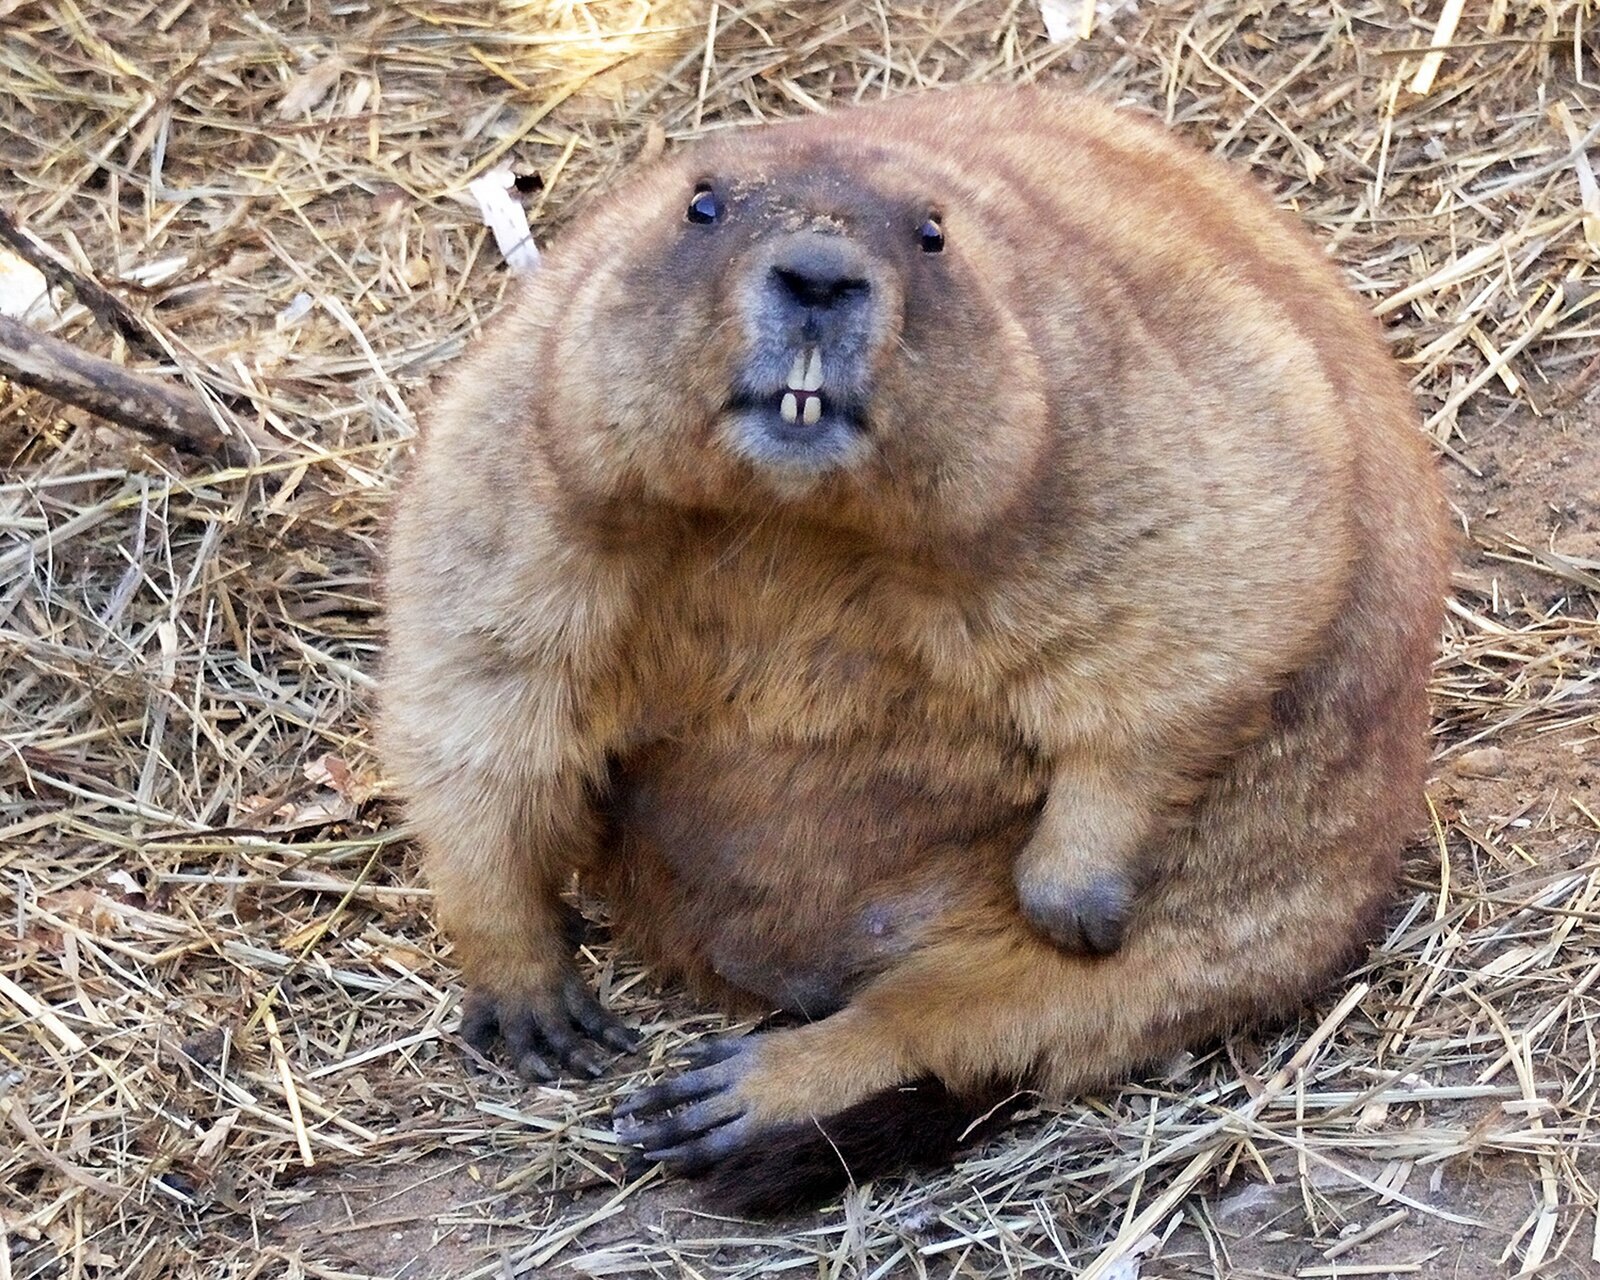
point(225, 1021)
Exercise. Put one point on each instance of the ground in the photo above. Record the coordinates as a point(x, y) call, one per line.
point(226, 1024)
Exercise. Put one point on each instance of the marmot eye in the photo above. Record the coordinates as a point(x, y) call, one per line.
point(931, 235)
point(705, 208)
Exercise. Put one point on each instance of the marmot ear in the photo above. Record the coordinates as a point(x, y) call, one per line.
point(706, 206)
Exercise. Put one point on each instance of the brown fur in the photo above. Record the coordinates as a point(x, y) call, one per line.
point(1130, 594)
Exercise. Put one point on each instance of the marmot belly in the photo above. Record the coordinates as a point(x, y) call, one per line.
point(782, 875)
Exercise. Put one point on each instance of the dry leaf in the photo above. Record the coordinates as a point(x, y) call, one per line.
point(307, 90)
point(1372, 1116)
point(88, 910)
point(213, 1138)
point(1481, 762)
point(333, 771)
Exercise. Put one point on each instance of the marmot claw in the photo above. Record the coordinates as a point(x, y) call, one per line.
point(546, 1034)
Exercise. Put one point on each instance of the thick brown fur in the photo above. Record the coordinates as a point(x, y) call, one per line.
point(1075, 714)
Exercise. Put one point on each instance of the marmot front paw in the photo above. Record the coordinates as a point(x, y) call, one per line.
point(546, 1031)
point(1089, 916)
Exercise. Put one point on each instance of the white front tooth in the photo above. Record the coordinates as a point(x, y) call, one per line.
point(813, 380)
point(789, 407)
point(797, 371)
point(813, 410)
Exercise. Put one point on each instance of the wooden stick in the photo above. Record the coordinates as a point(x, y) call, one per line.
point(100, 302)
point(107, 390)
point(106, 307)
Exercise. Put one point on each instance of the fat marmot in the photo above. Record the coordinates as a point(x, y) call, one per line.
point(964, 570)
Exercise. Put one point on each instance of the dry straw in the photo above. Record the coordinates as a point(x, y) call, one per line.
point(225, 1022)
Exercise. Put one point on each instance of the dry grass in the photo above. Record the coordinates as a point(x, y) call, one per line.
point(218, 984)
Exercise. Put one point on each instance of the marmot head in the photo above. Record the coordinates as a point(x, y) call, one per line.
point(812, 313)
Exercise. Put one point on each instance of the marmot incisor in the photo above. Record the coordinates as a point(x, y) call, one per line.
point(964, 570)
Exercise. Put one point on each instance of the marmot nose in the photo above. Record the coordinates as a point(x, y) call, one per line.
point(821, 272)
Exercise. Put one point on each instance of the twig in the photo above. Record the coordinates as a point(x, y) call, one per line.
point(105, 306)
point(107, 390)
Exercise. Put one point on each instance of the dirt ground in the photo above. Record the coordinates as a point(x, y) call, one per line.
point(227, 1040)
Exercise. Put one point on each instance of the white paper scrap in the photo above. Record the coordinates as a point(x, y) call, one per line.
point(298, 309)
point(504, 215)
point(1060, 19)
point(22, 286)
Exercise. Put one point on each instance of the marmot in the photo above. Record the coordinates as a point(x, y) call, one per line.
point(964, 570)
